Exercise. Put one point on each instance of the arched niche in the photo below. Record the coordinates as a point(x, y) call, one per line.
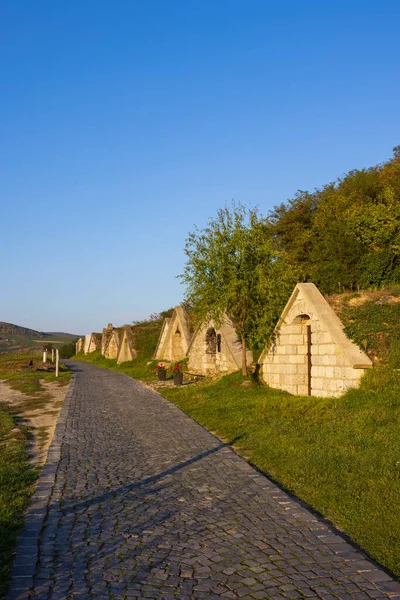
point(302, 319)
point(211, 341)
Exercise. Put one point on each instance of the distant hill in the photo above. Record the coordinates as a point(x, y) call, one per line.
point(14, 338)
point(7, 329)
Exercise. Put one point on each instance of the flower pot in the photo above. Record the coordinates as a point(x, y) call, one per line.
point(178, 378)
point(162, 374)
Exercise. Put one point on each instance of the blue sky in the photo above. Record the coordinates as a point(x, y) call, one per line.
point(124, 123)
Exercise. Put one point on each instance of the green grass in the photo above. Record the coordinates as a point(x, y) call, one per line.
point(340, 455)
point(13, 369)
point(16, 479)
point(17, 475)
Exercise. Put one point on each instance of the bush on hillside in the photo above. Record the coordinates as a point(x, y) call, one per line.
point(345, 236)
point(68, 350)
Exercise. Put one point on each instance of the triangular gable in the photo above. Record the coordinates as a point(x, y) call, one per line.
point(183, 323)
point(232, 341)
point(160, 344)
point(309, 353)
point(94, 342)
point(322, 312)
point(177, 335)
point(114, 343)
point(127, 350)
point(105, 337)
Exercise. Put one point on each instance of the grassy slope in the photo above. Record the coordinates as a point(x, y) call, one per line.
point(24, 343)
point(341, 456)
point(16, 474)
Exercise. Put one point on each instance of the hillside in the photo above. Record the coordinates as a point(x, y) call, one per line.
point(14, 338)
point(372, 320)
point(9, 329)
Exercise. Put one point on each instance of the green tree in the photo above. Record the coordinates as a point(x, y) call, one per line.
point(68, 350)
point(346, 235)
point(233, 268)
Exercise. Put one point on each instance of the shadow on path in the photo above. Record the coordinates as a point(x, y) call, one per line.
point(70, 506)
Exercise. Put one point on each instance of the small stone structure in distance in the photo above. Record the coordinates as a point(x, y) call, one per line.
point(105, 337)
point(216, 349)
point(127, 350)
point(79, 345)
point(86, 343)
point(114, 338)
point(175, 336)
point(94, 343)
point(118, 343)
point(309, 353)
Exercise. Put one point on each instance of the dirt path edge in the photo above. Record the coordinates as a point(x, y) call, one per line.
point(27, 549)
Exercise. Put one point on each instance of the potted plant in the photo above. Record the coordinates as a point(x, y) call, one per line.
point(161, 372)
point(178, 375)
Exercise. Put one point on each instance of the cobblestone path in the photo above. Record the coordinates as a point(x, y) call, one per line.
point(148, 504)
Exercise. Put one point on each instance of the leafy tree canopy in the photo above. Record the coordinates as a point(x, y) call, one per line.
point(233, 267)
point(345, 236)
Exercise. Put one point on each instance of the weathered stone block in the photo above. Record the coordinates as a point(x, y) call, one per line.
point(294, 329)
point(346, 373)
point(329, 372)
point(290, 349)
point(318, 360)
point(326, 349)
point(321, 337)
point(329, 360)
point(318, 371)
point(288, 369)
point(302, 349)
point(296, 359)
point(302, 390)
point(299, 379)
point(317, 383)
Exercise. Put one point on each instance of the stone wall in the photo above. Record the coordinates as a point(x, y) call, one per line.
point(309, 353)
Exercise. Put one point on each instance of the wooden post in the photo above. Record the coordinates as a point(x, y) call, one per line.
point(52, 355)
point(57, 362)
point(44, 356)
point(309, 359)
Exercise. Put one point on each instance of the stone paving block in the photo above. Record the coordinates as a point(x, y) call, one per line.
point(139, 501)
